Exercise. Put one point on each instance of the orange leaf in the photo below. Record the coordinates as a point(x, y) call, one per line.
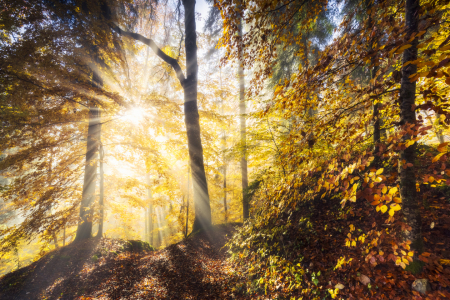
point(397, 200)
point(442, 147)
point(436, 158)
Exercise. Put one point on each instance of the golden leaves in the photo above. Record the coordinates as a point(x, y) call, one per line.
point(393, 190)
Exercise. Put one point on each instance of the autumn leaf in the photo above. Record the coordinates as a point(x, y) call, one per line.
point(437, 157)
point(393, 190)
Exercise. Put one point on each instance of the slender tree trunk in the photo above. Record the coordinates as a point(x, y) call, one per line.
point(150, 211)
point(438, 129)
point(411, 215)
point(242, 113)
point(64, 236)
point(150, 223)
point(225, 190)
point(187, 204)
point(49, 182)
point(146, 224)
point(224, 146)
point(201, 195)
point(159, 223)
point(376, 106)
point(55, 240)
point(102, 193)
point(84, 230)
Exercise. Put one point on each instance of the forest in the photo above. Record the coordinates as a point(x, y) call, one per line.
point(224, 149)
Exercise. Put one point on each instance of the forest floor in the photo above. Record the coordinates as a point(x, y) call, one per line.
point(195, 268)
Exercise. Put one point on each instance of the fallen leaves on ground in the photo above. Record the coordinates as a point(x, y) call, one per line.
point(195, 268)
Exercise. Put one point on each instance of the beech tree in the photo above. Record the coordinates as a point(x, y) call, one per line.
point(189, 85)
point(407, 156)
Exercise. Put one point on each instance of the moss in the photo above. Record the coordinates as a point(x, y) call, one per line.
point(418, 245)
point(415, 267)
point(138, 246)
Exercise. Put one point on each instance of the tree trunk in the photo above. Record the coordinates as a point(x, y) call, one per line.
point(411, 214)
point(150, 223)
point(438, 129)
point(55, 240)
point(376, 106)
point(102, 193)
point(146, 225)
point(242, 113)
point(201, 195)
point(224, 146)
point(150, 212)
point(187, 205)
point(84, 230)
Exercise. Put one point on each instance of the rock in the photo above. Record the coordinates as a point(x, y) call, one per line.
point(364, 279)
point(421, 285)
point(137, 246)
point(339, 286)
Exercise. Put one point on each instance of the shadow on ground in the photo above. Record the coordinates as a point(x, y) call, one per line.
point(195, 268)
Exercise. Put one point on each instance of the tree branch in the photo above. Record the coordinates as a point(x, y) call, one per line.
point(149, 42)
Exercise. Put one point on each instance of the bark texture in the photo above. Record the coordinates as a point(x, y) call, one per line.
point(242, 114)
point(84, 230)
point(201, 195)
point(149, 211)
point(411, 214)
point(102, 193)
point(224, 146)
point(376, 106)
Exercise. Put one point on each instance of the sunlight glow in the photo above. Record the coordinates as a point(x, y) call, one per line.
point(135, 115)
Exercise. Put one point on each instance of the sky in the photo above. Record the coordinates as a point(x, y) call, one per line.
point(202, 7)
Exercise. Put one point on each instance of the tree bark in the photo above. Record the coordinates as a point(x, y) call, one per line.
point(201, 196)
point(376, 106)
point(187, 205)
point(224, 146)
point(146, 224)
point(102, 192)
point(55, 240)
point(84, 230)
point(242, 114)
point(438, 129)
point(150, 212)
point(411, 216)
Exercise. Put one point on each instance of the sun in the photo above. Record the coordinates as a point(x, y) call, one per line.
point(135, 115)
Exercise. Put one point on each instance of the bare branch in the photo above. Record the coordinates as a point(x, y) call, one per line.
point(149, 42)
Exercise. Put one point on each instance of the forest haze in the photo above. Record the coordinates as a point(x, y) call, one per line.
point(316, 132)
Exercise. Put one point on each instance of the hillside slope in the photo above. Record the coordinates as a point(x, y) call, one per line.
point(97, 269)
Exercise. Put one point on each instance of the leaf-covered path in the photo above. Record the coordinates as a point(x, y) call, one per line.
point(193, 269)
